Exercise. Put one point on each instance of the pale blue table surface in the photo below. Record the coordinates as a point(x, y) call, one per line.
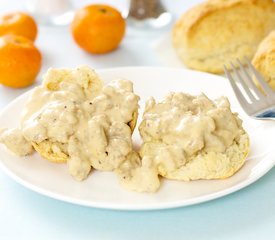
point(24, 214)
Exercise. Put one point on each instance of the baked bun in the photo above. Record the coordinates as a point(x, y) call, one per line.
point(213, 33)
point(264, 59)
point(49, 149)
point(191, 137)
point(84, 85)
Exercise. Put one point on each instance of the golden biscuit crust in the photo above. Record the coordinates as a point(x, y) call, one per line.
point(52, 151)
point(264, 59)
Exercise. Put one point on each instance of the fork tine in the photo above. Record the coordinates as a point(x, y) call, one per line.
point(242, 82)
point(250, 81)
point(260, 79)
point(238, 93)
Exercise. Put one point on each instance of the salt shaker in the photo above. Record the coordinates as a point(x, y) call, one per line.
point(53, 12)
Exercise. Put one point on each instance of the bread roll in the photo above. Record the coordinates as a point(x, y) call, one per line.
point(217, 31)
point(91, 84)
point(192, 137)
point(264, 59)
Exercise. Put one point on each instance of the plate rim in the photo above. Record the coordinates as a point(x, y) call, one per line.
point(129, 207)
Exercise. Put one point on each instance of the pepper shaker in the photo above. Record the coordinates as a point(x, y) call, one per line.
point(149, 13)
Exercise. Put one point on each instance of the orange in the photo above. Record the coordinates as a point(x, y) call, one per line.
point(18, 23)
point(98, 28)
point(20, 61)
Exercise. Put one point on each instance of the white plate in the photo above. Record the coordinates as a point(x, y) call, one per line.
point(102, 190)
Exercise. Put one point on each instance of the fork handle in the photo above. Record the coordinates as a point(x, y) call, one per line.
point(268, 114)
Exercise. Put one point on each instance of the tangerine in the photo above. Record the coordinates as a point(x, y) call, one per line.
point(18, 23)
point(98, 28)
point(20, 61)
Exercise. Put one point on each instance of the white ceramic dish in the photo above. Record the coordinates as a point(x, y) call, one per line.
point(101, 189)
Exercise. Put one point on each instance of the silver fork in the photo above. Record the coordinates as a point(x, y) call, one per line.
point(256, 103)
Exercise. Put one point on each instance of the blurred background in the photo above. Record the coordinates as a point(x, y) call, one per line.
point(141, 46)
point(56, 41)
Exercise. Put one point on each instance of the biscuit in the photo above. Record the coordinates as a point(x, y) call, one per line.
point(50, 149)
point(192, 137)
point(213, 33)
point(264, 59)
